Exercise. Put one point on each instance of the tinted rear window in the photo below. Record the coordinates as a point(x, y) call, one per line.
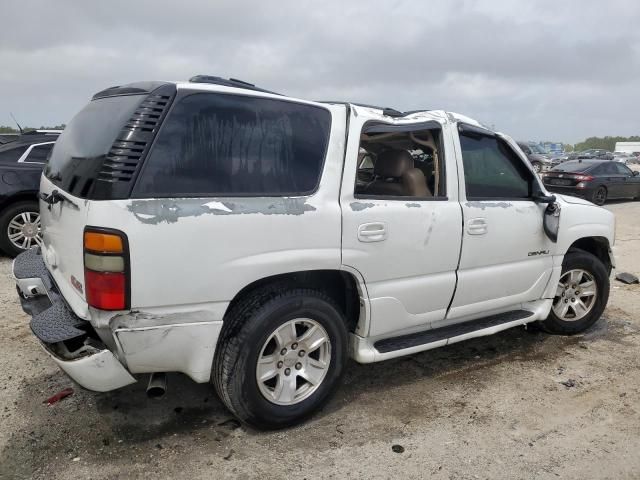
point(81, 148)
point(232, 145)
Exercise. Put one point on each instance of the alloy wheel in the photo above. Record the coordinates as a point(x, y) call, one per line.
point(575, 296)
point(293, 361)
point(24, 230)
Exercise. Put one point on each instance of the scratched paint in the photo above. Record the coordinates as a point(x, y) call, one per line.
point(485, 205)
point(359, 206)
point(156, 211)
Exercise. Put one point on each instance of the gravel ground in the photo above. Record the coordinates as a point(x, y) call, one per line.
point(520, 404)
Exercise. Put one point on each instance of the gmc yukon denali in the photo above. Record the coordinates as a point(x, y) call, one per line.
point(258, 241)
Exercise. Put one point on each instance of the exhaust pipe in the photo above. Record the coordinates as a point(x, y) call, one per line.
point(157, 385)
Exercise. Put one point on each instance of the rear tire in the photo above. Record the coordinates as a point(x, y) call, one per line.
point(594, 272)
point(249, 337)
point(15, 230)
point(599, 195)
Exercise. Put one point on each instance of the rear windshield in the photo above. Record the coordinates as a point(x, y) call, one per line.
point(81, 148)
point(235, 145)
point(574, 167)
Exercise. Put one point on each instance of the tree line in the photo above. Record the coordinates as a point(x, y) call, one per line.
point(606, 143)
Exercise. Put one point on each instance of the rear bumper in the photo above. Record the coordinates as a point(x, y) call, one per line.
point(103, 354)
point(69, 340)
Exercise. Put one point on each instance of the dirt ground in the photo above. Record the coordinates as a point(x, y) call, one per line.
point(490, 408)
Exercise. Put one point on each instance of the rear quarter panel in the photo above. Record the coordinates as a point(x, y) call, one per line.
point(195, 251)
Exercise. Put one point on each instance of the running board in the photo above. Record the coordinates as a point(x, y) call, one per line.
point(451, 332)
point(367, 350)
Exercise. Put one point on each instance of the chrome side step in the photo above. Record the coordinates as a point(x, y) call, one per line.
point(364, 351)
point(450, 332)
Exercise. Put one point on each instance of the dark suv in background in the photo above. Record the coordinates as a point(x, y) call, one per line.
point(538, 157)
point(21, 163)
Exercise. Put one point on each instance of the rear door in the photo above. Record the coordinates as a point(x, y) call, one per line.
point(630, 182)
point(405, 246)
point(614, 181)
point(505, 257)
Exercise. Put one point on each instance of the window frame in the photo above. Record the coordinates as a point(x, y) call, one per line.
point(406, 128)
point(25, 156)
point(183, 95)
point(534, 182)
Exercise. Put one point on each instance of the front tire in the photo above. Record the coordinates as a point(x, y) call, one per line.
point(280, 356)
point(581, 295)
point(20, 227)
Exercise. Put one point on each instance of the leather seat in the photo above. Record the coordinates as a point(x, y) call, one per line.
point(395, 175)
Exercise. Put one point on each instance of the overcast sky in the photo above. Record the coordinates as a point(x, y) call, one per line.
point(539, 70)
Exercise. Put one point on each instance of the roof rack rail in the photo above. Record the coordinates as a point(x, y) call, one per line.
point(231, 82)
point(391, 112)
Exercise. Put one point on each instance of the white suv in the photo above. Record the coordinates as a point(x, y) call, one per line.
point(257, 241)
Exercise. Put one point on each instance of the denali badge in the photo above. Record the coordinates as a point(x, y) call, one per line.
point(539, 252)
point(77, 285)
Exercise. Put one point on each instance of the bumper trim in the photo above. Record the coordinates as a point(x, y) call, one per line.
point(100, 372)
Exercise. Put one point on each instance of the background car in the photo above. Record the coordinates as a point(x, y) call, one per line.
point(538, 157)
point(622, 157)
point(563, 157)
point(595, 180)
point(595, 153)
point(21, 163)
point(8, 137)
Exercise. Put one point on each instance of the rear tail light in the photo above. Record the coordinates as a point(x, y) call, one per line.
point(106, 269)
point(583, 178)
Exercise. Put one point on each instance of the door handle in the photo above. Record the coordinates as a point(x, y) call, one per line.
point(477, 226)
point(372, 232)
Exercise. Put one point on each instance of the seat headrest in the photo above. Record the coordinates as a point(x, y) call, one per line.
point(393, 163)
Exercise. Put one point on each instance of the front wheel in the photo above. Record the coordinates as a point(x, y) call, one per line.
point(20, 227)
point(280, 357)
point(581, 296)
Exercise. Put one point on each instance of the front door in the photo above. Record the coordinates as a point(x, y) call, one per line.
point(401, 220)
point(505, 258)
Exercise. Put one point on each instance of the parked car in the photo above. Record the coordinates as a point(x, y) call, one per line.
point(595, 180)
point(538, 157)
point(622, 157)
point(595, 153)
point(8, 137)
point(315, 231)
point(558, 159)
point(21, 163)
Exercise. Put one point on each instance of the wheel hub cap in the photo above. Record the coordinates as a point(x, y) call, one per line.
point(575, 296)
point(24, 230)
point(293, 361)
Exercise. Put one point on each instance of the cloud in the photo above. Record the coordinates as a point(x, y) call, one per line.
point(537, 69)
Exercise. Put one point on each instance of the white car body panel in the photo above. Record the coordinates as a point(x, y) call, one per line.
point(418, 252)
point(432, 263)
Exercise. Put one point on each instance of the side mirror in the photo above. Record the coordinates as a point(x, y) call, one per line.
point(636, 173)
point(539, 198)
